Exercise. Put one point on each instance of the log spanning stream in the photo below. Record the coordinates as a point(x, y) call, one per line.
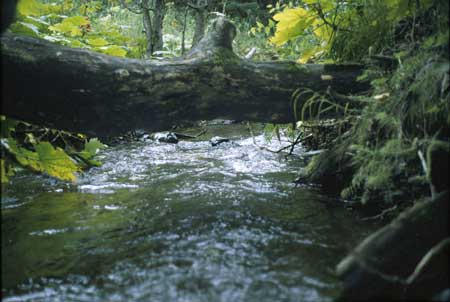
point(184, 222)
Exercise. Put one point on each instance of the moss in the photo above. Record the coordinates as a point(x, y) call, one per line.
point(378, 162)
point(332, 168)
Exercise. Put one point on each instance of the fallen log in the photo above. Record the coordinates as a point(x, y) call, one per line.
point(407, 259)
point(80, 90)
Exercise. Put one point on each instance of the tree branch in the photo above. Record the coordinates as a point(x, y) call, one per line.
point(201, 4)
point(134, 11)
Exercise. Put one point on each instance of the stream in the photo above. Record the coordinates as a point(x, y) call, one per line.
point(176, 222)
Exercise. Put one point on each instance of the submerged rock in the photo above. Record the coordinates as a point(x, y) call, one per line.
point(217, 140)
point(166, 137)
point(217, 122)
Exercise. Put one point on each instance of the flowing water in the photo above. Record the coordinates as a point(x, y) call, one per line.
point(184, 222)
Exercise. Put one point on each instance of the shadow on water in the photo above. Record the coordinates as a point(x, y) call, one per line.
point(185, 222)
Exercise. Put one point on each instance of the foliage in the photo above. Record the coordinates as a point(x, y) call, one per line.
point(88, 26)
point(342, 30)
point(278, 130)
point(381, 155)
point(56, 153)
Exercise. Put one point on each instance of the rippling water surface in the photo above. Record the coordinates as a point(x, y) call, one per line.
point(185, 222)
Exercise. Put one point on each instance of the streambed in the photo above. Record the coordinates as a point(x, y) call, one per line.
point(176, 222)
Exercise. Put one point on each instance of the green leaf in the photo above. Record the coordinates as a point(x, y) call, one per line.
point(86, 159)
point(35, 8)
point(55, 162)
point(113, 50)
point(23, 156)
point(93, 146)
point(41, 25)
point(292, 22)
point(97, 42)
point(46, 159)
point(26, 29)
point(3, 174)
point(6, 126)
point(71, 26)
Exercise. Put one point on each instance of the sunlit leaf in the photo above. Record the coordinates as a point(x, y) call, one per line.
point(3, 175)
point(55, 162)
point(26, 29)
point(113, 50)
point(93, 146)
point(71, 25)
point(35, 8)
point(292, 22)
point(308, 54)
point(46, 159)
point(97, 42)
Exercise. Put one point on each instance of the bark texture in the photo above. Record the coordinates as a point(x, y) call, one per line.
point(84, 91)
point(158, 18)
point(200, 11)
point(147, 21)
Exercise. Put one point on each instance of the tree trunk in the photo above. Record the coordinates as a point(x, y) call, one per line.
point(148, 31)
point(8, 11)
point(183, 33)
point(200, 23)
point(89, 92)
point(158, 18)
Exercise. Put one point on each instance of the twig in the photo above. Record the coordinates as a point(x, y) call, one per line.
point(188, 136)
point(381, 215)
point(406, 282)
point(435, 250)
point(129, 8)
point(199, 5)
point(291, 145)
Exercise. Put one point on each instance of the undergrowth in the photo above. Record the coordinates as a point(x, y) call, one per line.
point(382, 157)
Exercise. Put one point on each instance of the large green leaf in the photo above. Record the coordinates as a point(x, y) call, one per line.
point(93, 146)
point(24, 28)
point(46, 159)
point(71, 26)
point(55, 162)
point(292, 22)
point(113, 50)
point(35, 8)
point(97, 42)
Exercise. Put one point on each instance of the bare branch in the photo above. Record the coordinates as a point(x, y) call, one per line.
point(200, 4)
point(135, 11)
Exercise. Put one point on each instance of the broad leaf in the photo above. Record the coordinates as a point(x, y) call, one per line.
point(97, 42)
point(46, 159)
point(93, 146)
point(292, 22)
point(113, 50)
point(55, 162)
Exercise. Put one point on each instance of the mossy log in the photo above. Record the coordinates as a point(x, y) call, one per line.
point(395, 262)
point(80, 90)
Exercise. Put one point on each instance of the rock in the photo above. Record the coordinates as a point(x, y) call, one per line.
point(145, 138)
point(165, 137)
point(217, 140)
point(217, 122)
